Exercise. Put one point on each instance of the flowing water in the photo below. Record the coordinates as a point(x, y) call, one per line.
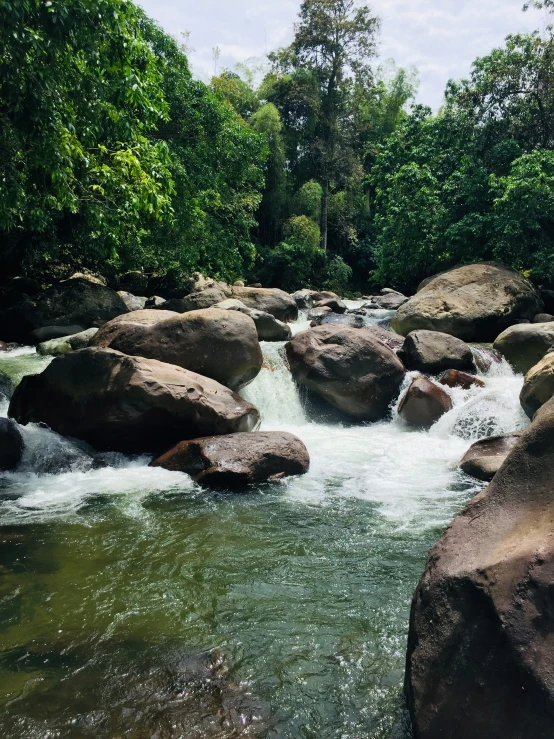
point(111, 573)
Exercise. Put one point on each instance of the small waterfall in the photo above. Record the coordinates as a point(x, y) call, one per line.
point(274, 392)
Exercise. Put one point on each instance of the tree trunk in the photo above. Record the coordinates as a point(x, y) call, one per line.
point(324, 214)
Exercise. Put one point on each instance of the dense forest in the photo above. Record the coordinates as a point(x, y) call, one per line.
point(113, 158)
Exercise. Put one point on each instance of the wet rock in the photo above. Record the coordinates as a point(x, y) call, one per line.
point(424, 403)
point(130, 404)
point(51, 333)
point(484, 458)
point(219, 344)
point(238, 460)
point(4, 347)
point(7, 385)
point(543, 318)
point(524, 346)
point(538, 387)
point(73, 303)
point(11, 445)
point(133, 302)
point(317, 313)
point(73, 343)
point(455, 378)
point(484, 358)
point(199, 300)
point(475, 303)
point(479, 660)
point(433, 352)
point(278, 303)
point(335, 319)
point(335, 304)
point(267, 326)
point(352, 369)
point(303, 299)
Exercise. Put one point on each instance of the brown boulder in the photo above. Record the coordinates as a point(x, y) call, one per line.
point(129, 404)
point(268, 300)
point(455, 378)
point(199, 299)
point(432, 352)
point(525, 345)
point(538, 386)
point(475, 303)
point(484, 458)
point(424, 403)
point(219, 344)
point(479, 660)
point(543, 318)
point(4, 347)
point(352, 369)
point(238, 460)
point(335, 304)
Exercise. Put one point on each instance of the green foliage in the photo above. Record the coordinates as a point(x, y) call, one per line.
point(303, 232)
point(307, 201)
point(237, 92)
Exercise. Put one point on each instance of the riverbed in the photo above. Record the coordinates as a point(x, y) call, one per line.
point(109, 568)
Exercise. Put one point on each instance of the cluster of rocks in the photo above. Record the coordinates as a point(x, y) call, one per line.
point(143, 381)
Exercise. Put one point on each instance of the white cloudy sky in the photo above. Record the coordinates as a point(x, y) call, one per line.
point(440, 37)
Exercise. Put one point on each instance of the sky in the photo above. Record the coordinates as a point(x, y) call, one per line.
point(439, 37)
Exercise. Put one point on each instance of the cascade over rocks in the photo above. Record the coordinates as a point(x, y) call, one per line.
point(280, 304)
point(479, 660)
point(11, 445)
point(525, 345)
point(4, 347)
point(484, 458)
point(77, 302)
point(538, 387)
point(475, 303)
point(433, 352)
point(219, 344)
point(238, 460)
point(424, 403)
point(455, 378)
point(352, 369)
point(129, 404)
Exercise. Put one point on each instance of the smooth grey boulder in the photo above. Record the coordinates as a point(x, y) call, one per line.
point(525, 345)
point(475, 303)
point(129, 404)
point(389, 301)
point(73, 343)
point(52, 333)
point(11, 445)
point(278, 303)
point(538, 386)
point(133, 302)
point(424, 403)
point(238, 460)
point(433, 352)
point(543, 318)
point(484, 458)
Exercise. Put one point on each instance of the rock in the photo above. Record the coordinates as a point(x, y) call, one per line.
point(543, 318)
point(219, 344)
point(392, 301)
point(479, 660)
point(50, 333)
point(267, 326)
point(55, 347)
point(455, 378)
point(484, 358)
point(538, 387)
point(133, 302)
point(4, 347)
point(424, 403)
point(238, 460)
point(390, 291)
point(386, 337)
point(336, 305)
point(147, 317)
point(198, 300)
point(524, 346)
point(474, 303)
point(303, 299)
point(7, 385)
point(316, 313)
point(323, 295)
point(155, 302)
point(433, 352)
point(11, 445)
point(90, 277)
point(268, 300)
point(75, 302)
point(129, 404)
point(335, 319)
point(238, 283)
point(352, 369)
point(486, 457)
point(255, 284)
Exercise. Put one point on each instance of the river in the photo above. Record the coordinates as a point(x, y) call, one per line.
point(108, 572)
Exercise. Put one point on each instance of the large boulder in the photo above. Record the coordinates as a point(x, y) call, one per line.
point(389, 301)
point(52, 333)
point(133, 302)
point(267, 326)
point(433, 352)
point(76, 302)
point(199, 299)
point(55, 347)
point(525, 345)
point(474, 303)
point(538, 386)
point(11, 445)
point(238, 460)
point(352, 369)
point(268, 300)
point(219, 344)
point(484, 458)
point(129, 404)
point(424, 403)
point(479, 660)
point(303, 298)
point(335, 304)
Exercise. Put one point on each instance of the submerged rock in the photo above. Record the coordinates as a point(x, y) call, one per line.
point(475, 303)
point(129, 404)
point(424, 403)
point(433, 352)
point(479, 660)
point(352, 369)
point(538, 386)
point(484, 458)
point(219, 344)
point(455, 378)
point(525, 345)
point(11, 445)
point(238, 460)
